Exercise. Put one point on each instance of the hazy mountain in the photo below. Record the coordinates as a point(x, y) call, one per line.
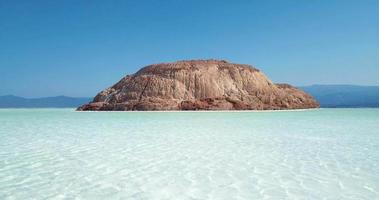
point(10, 101)
point(328, 95)
point(344, 95)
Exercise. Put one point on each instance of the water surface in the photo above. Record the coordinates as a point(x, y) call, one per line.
point(315, 154)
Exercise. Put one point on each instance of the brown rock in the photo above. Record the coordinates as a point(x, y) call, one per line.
point(199, 85)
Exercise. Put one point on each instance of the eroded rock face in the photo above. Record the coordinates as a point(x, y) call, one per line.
point(199, 85)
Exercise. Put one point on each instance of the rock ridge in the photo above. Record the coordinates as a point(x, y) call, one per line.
point(199, 85)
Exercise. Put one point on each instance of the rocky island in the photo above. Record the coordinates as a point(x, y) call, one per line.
point(199, 85)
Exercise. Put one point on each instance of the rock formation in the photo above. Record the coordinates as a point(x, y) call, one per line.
point(199, 85)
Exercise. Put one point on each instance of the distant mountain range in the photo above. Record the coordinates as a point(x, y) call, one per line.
point(11, 101)
point(329, 96)
point(344, 96)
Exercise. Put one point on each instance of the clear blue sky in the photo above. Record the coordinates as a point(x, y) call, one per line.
point(78, 48)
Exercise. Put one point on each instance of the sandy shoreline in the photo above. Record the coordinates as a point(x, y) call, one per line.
point(208, 111)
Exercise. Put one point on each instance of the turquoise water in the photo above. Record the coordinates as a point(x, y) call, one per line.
point(315, 154)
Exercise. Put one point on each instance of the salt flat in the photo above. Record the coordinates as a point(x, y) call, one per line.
point(310, 154)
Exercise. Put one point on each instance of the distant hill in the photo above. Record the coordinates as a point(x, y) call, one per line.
point(338, 96)
point(332, 96)
point(10, 101)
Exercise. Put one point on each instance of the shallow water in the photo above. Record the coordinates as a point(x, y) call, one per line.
point(315, 154)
